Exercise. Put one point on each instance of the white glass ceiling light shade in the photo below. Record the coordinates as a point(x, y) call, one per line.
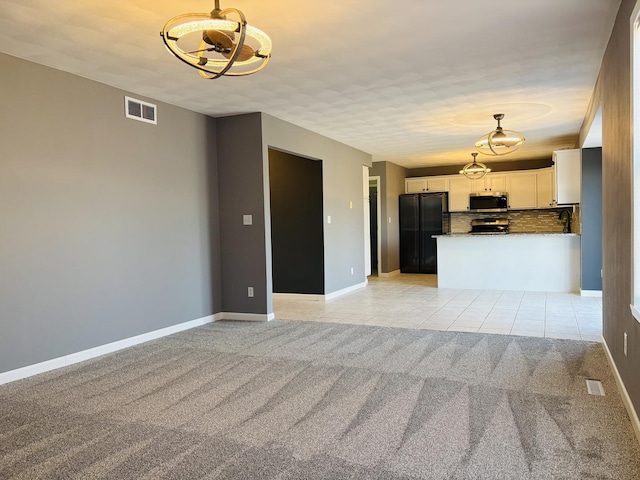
point(217, 45)
point(475, 170)
point(499, 141)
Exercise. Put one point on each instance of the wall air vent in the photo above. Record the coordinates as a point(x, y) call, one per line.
point(139, 110)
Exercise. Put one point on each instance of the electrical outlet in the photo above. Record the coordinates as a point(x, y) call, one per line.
point(250, 292)
point(247, 219)
point(625, 344)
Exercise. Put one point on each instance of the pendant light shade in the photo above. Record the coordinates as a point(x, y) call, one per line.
point(217, 43)
point(475, 170)
point(499, 141)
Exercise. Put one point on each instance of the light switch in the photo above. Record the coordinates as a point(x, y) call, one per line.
point(247, 219)
point(350, 204)
point(389, 219)
point(328, 218)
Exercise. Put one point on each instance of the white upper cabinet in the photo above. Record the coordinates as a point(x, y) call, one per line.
point(492, 182)
point(426, 184)
point(438, 184)
point(526, 189)
point(459, 189)
point(545, 187)
point(522, 190)
point(415, 185)
point(477, 185)
point(568, 176)
point(496, 182)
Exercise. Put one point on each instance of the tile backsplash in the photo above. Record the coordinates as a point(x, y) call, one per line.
point(521, 221)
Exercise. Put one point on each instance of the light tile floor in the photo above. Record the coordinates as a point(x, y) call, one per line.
point(414, 301)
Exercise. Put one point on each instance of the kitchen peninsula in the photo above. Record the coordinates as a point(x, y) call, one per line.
point(546, 262)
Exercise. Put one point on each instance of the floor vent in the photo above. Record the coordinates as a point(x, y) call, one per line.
point(594, 387)
point(139, 110)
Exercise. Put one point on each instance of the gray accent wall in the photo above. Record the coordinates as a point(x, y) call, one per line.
point(613, 92)
point(242, 192)
point(343, 197)
point(108, 226)
point(391, 187)
point(591, 217)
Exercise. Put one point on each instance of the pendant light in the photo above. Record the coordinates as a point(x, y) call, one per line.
point(475, 170)
point(499, 141)
point(217, 43)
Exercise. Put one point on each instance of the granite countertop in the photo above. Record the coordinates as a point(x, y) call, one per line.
point(510, 234)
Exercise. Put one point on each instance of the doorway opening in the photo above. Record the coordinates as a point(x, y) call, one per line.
point(297, 229)
point(375, 237)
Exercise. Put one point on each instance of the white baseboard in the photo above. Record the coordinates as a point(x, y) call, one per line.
point(298, 296)
point(70, 359)
point(246, 317)
point(319, 298)
point(591, 293)
point(344, 291)
point(389, 274)
point(626, 400)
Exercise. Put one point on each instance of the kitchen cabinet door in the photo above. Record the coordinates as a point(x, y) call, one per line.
point(426, 184)
point(489, 183)
point(496, 183)
point(521, 188)
point(415, 185)
point(459, 189)
point(437, 184)
point(477, 185)
point(545, 183)
point(568, 176)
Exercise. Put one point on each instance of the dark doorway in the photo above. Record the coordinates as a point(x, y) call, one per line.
point(373, 226)
point(297, 240)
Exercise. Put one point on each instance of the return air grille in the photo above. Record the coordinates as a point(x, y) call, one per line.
point(139, 110)
point(594, 387)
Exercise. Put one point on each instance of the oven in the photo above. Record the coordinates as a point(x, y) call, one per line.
point(489, 226)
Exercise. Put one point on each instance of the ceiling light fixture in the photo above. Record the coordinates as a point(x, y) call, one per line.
point(499, 141)
point(475, 170)
point(216, 45)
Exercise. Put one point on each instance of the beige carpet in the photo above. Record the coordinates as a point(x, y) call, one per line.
point(296, 400)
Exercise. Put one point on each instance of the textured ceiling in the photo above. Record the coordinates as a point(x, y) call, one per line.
point(414, 82)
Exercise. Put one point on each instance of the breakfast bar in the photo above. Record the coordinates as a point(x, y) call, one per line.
point(547, 262)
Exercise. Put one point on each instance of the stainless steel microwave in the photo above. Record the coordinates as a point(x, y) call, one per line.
point(488, 202)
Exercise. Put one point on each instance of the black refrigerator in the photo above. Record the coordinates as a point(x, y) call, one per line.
point(422, 215)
